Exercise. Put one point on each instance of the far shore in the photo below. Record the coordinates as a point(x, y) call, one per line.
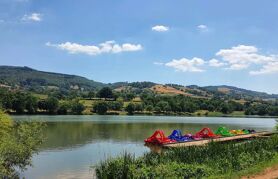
point(149, 114)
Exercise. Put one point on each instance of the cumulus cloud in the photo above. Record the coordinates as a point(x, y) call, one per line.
point(106, 47)
point(242, 57)
point(268, 68)
point(37, 17)
point(216, 63)
point(160, 28)
point(187, 65)
point(202, 28)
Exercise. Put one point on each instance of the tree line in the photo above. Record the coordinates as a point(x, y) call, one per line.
point(21, 102)
point(110, 102)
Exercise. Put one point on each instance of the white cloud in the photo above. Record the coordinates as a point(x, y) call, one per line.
point(236, 58)
point(268, 68)
point(37, 17)
point(187, 65)
point(202, 28)
point(160, 28)
point(242, 57)
point(216, 63)
point(158, 63)
point(106, 47)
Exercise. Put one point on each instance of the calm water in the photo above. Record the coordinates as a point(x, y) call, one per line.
point(74, 143)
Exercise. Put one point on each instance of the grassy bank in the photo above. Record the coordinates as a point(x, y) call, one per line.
point(216, 160)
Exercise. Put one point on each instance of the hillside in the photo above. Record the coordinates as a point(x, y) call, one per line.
point(239, 92)
point(165, 89)
point(28, 78)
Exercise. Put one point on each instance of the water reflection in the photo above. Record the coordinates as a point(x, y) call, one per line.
point(74, 143)
point(61, 135)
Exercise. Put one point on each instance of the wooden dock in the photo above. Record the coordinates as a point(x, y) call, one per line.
point(220, 139)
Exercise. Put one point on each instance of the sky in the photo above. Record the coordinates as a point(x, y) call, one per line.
point(192, 42)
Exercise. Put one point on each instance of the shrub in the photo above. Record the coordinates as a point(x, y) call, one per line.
point(18, 142)
point(100, 107)
point(130, 108)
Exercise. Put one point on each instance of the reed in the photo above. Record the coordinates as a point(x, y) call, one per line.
point(191, 162)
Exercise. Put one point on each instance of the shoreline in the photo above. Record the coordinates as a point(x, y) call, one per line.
point(144, 114)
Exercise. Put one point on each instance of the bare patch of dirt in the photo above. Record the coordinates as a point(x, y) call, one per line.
point(163, 89)
point(268, 173)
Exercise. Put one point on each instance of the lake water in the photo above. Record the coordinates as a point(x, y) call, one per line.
point(74, 143)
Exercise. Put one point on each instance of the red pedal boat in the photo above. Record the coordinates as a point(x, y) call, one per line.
point(159, 138)
point(204, 134)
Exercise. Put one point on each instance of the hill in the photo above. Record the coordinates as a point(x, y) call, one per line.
point(39, 81)
point(239, 92)
point(31, 79)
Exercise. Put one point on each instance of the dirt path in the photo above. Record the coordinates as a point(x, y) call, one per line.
point(268, 173)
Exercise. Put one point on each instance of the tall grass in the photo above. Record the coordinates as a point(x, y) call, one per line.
point(191, 162)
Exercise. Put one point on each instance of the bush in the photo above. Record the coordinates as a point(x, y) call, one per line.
point(130, 108)
point(63, 108)
point(52, 104)
point(100, 108)
point(77, 107)
point(115, 105)
point(18, 142)
point(149, 108)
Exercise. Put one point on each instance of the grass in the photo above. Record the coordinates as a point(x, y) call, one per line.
point(238, 113)
point(215, 160)
point(40, 96)
point(253, 170)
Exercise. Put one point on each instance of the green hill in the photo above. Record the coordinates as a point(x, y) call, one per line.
point(39, 81)
point(239, 92)
point(28, 78)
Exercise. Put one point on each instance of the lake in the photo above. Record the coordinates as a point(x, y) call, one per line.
point(74, 143)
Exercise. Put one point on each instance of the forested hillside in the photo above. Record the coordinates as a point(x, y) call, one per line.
point(30, 79)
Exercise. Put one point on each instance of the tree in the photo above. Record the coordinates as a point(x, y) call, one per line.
point(42, 105)
point(249, 111)
point(157, 109)
point(31, 104)
point(18, 103)
point(105, 92)
point(262, 109)
point(52, 104)
point(128, 96)
point(139, 107)
point(18, 142)
point(91, 94)
point(164, 106)
point(226, 108)
point(63, 108)
point(6, 99)
point(115, 105)
point(273, 111)
point(210, 108)
point(100, 107)
point(77, 107)
point(235, 106)
point(130, 108)
point(149, 108)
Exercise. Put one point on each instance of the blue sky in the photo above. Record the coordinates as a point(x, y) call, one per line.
point(184, 42)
